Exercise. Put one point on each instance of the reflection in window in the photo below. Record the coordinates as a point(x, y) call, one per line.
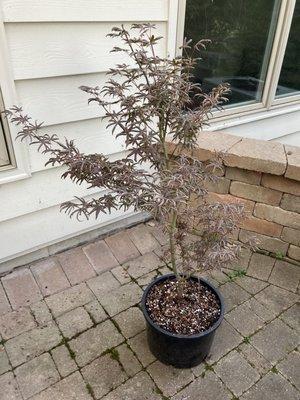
point(242, 33)
point(289, 81)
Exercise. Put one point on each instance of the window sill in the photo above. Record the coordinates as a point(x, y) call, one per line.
point(12, 174)
point(220, 121)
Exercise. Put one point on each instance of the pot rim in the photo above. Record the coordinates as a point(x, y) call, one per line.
point(177, 335)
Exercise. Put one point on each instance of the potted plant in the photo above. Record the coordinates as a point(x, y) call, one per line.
point(148, 102)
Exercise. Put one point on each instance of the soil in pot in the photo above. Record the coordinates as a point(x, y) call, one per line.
point(184, 307)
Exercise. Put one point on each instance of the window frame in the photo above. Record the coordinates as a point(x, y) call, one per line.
point(268, 106)
point(5, 139)
point(18, 151)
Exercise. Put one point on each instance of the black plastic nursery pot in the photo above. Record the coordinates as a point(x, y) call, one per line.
point(181, 351)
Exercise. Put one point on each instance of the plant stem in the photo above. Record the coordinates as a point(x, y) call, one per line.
point(172, 243)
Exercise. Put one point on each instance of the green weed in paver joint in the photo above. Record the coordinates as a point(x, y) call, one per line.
point(89, 389)
point(117, 326)
point(279, 255)
point(158, 391)
point(209, 367)
point(247, 339)
point(72, 353)
point(274, 370)
point(114, 354)
point(236, 274)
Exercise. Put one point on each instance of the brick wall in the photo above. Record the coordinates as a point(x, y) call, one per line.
point(265, 177)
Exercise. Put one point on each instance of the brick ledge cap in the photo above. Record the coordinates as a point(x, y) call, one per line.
point(251, 154)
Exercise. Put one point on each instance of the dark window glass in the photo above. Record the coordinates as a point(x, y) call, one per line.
point(289, 81)
point(242, 33)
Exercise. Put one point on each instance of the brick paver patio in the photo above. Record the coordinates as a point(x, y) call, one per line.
point(71, 328)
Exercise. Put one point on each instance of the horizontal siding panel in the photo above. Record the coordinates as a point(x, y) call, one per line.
point(56, 49)
point(44, 189)
point(84, 10)
point(32, 231)
point(58, 100)
point(90, 136)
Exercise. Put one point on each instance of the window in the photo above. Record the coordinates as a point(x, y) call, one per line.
point(289, 80)
point(5, 159)
point(255, 48)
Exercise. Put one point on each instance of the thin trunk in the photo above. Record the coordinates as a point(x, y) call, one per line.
point(172, 243)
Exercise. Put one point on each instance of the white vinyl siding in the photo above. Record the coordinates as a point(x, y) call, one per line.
point(53, 47)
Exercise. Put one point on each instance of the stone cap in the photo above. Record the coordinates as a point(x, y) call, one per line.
point(252, 154)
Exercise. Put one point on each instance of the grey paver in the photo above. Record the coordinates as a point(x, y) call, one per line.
point(32, 343)
point(233, 295)
point(131, 322)
point(41, 312)
point(71, 388)
point(165, 270)
point(290, 367)
point(63, 361)
point(21, 288)
point(142, 265)
point(226, 338)
point(252, 285)
point(275, 340)
point(285, 275)
point(103, 374)
point(4, 363)
point(243, 261)
point(259, 309)
point(74, 322)
point(271, 387)
point(69, 299)
point(121, 298)
point(217, 276)
point(137, 388)
point(100, 256)
point(199, 370)
point(237, 374)
point(140, 347)
point(142, 238)
point(292, 316)
point(259, 362)
point(9, 387)
point(243, 319)
point(39, 356)
point(92, 343)
point(260, 266)
point(169, 379)
point(157, 232)
point(122, 247)
point(144, 280)
point(76, 265)
point(4, 304)
point(36, 375)
point(128, 360)
point(96, 311)
point(276, 299)
point(15, 323)
point(209, 387)
point(50, 276)
point(121, 274)
point(102, 284)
